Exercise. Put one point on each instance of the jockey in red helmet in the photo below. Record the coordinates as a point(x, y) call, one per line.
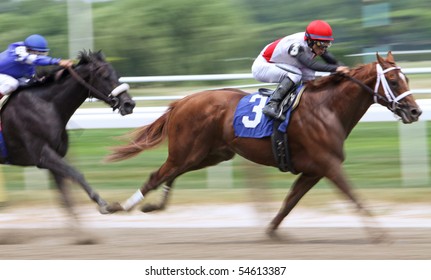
point(291, 59)
point(318, 30)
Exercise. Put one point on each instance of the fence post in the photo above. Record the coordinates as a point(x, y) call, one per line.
point(3, 191)
point(220, 176)
point(414, 154)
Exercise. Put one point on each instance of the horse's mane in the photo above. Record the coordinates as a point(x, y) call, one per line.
point(86, 57)
point(51, 73)
point(360, 72)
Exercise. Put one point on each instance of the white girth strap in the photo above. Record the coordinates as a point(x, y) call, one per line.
point(386, 88)
point(121, 88)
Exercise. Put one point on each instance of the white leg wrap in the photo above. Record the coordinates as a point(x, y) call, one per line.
point(133, 200)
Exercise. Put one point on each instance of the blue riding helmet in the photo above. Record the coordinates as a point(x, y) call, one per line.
point(36, 42)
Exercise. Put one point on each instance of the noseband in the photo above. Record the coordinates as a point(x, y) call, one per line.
point(111, 99)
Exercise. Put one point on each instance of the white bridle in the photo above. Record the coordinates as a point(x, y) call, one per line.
point(390, 96)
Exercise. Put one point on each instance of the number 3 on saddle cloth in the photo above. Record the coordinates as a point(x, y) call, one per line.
point(249, 121)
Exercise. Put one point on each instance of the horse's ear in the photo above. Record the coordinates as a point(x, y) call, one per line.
point(101, 55)
point(379, 58)
point(390, 58)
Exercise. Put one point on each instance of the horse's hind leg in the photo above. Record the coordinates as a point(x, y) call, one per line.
point(210, 160)
point(166, 173)
point(301, 186)
point(161, 205)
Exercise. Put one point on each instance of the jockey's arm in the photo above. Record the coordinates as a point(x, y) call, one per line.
point(315, 64)
point(38, 59)
point(66, 63)
point(329, 58)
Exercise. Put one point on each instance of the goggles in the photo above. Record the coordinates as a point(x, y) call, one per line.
point(323, 44)
point(37, 52)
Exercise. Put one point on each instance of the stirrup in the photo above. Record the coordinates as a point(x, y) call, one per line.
point(270, 111)
point(274, 114)
point(280, 115)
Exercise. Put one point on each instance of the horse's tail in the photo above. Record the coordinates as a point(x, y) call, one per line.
point(142, 139)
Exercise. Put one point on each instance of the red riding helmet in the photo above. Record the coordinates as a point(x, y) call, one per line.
point(318, 30)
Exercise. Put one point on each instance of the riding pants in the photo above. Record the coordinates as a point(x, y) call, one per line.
point(267, 72)
point(8, 84)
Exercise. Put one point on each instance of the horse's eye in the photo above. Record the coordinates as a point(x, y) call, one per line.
point(393, 83)
point(103, 73)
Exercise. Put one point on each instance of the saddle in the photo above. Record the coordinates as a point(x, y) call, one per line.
point(279, 140)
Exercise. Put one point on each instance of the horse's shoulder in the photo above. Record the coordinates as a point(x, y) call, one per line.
point(320, 83)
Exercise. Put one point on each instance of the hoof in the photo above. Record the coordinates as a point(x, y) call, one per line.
point(272, 234)
point(110, 208)
point(377, 237)
point(104, 210)
point(102, 203)
point(150, 208)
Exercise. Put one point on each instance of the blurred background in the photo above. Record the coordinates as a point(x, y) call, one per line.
point(193, 37)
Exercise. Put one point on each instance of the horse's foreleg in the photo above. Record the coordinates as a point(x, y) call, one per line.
point(66, 198)
point(50, 160)
point(301, 186)
point(80, 237)
point(370, 223)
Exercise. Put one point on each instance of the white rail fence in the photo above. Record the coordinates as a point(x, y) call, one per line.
point(244, 76)
point(105, 118)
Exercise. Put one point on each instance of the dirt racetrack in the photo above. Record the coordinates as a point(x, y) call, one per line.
point(210, 232)
point(210, 243)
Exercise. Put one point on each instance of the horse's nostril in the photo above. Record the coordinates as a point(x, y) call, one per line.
point(416, 112)
point(130, 105)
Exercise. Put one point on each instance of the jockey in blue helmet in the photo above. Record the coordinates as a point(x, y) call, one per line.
point(19, 61)
point(36, 43)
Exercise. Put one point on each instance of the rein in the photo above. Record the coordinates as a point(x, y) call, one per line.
point(110, 99)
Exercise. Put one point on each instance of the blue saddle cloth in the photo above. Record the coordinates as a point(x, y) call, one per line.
point(249, 121)
point(3, 150)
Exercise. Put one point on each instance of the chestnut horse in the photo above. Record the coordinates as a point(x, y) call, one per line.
point(199, 129)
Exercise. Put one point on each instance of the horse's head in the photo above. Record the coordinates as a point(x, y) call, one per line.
point(393, 90)
point(102, 81)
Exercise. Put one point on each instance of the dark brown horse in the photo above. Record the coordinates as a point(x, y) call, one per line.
point(34, 119)
point(200, 132)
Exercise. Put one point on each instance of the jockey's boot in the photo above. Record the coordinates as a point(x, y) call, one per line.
point(272, 108)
